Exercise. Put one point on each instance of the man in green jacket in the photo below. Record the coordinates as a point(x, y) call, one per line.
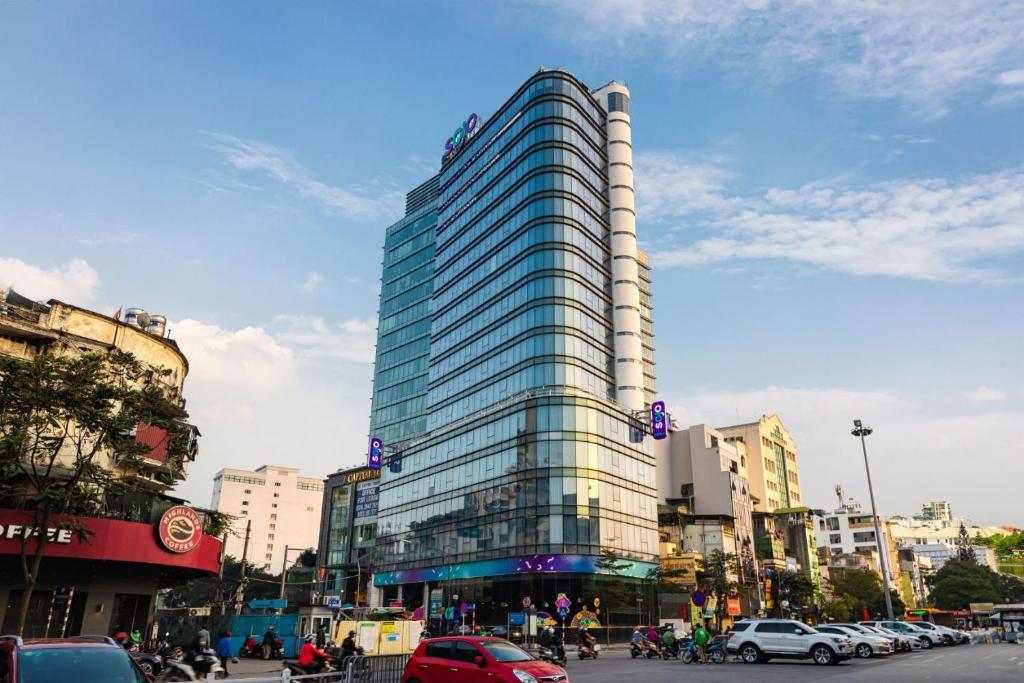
point(701, 638)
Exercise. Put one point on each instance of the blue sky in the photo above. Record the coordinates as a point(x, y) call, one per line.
point(833, 197)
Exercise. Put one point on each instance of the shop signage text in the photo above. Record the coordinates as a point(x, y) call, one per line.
point(361, 475)
point(376, 454)
point(13, 531)
point(659, 421)
point(461, 136)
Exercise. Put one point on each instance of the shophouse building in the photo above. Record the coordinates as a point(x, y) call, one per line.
point(106, 577)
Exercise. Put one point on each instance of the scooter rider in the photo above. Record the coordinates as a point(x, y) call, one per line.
point(311, 658)
point(550, 639)
point(586, 642)
point(349, 647)
point(198, 654)
point(669, 641)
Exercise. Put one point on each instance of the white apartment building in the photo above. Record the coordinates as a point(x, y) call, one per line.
point(698, 468)
point(848, 529)
point(284, 509)
point(941, 553)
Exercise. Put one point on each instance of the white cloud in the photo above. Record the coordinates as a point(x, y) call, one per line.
point(294, 393)
point(75, 282)
point(926, 229)
point(316, 340)
point(921, 52)
point(1011, 78)
point(108, 239)
point(985, 395)
point(278, 163)
point(917, 452)
point(312, 283)
point(678, 182)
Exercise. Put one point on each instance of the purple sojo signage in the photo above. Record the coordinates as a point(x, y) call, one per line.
point(659, 420)
point(376, 454)
point(461, 135)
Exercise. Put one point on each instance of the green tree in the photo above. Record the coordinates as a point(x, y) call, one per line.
point(964, 549)
point(202, 591)
point(961, 582)
point(719, 577)
point(67, 440)
point(794, 587)
point(864, 590)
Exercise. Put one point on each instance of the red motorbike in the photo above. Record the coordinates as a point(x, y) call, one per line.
point(251, 648)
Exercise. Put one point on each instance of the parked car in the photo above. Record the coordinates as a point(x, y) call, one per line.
point(912, 642)
point(950, 636)
point(83, 659)
point(865, 645)
point(928, 640)
point(761, 639)
point(477, 660)
point(896, 641)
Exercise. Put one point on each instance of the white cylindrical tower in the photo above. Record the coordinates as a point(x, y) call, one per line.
point(629, 366)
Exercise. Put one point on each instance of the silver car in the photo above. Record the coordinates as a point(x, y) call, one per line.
point(864, 645)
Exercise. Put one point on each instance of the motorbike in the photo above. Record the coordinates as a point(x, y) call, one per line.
point(642, 649)
point(179, 670)
point(555, 654)
point(670, 651)
point(320, 666)
point(715, 650)
point(254, 648)
point(592, 652)
point(151, 663)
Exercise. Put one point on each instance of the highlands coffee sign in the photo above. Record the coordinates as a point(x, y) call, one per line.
point(180, 529)
point(461, 136)
point(18, 531)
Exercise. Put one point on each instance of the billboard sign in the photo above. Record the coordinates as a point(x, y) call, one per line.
point(367, 495)
point(376, 455)
point(659, 420)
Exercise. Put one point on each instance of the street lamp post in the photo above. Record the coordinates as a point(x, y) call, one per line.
point(860, 430)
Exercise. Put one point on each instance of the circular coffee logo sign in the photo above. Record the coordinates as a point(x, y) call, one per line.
point(180, 529)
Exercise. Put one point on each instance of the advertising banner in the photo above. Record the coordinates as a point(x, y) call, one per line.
point(367, 495)
point(659, 420)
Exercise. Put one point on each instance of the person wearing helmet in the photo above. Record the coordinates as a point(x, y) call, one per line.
point(348, 646)
point(311, 658)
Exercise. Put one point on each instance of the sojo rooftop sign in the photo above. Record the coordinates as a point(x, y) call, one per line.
point(460, 137)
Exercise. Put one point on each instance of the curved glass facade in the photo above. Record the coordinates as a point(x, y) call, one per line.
point(527, 454)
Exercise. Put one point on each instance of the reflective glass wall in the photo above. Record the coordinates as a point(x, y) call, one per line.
point(527, 452)
point(403, 333)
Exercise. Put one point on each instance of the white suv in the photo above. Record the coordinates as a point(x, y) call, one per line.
point(761, 639)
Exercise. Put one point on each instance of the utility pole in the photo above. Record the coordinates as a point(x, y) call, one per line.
point(883, 548)
point(219, 599)
point(240, 590)
point(284, 571)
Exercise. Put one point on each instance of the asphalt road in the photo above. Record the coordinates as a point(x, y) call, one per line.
point(963, 663)
point(988, 663)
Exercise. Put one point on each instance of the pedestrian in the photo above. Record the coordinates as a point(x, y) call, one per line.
point(701, 638)
point(268, 642)
point(224, 651)
point(321, 636)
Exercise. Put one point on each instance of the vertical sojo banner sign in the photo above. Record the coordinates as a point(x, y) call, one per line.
point(659, 420)
point(376, 454)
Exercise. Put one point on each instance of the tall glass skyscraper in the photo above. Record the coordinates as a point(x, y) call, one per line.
point(525, 450)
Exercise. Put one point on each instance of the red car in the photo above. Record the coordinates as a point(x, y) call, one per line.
point(477, 660)
point(85, 659)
